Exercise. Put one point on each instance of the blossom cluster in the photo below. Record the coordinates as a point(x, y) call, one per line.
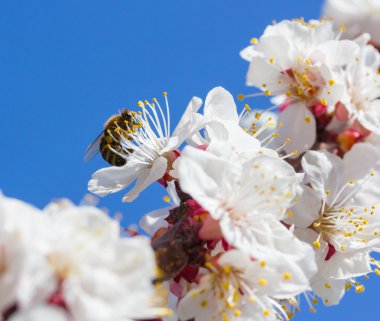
point(267, 209)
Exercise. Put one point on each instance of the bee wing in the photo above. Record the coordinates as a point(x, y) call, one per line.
point(93, 149)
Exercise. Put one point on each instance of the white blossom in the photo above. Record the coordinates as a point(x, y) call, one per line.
point(338, 214)
point(247, 199)
point(150, 147)
point(74, 257)
point(299, 61)
point(357, 16)
point(239, 288)
point(362, 80)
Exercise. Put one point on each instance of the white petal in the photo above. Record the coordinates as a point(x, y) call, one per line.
point(201, 175)
point(146, 178)
point(155, 220)
point(324, 171)
point(306, 209)
point(220, 105)
point(331, 291)
point(299, 126)
point(41, 313)
point(348, 265)
point(189, 114)
point(114, 179)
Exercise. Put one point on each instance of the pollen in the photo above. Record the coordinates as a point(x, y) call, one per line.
point(360, 289)
point(240, 97)
point(237, 313)
point(266, 313)
point(254, 41)
point(227, 269)
point(204, 303)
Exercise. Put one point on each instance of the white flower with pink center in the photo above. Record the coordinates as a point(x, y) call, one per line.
point(235, 287)
point(301, 62)
point(337, 213)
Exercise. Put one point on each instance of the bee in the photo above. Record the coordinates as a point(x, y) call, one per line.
point(108, 142)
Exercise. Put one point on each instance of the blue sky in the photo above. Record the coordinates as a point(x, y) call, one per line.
point(66, 66)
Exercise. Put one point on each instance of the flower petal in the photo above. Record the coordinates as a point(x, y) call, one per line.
point(299, 126)
point(146, 178)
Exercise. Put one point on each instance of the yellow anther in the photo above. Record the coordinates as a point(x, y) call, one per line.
point(328, 192)
point(263, 282)
point(257, 116)
point(377, 271)
point(252, 299)
point(164, 94)
point(254, 41)
point(308, 62)
point(323, 101)
point(372, 174)
point(237, 313)
point(348, 286)
point(140, 104)
point(240, 97)
point(360, 289)
point(263, 263)
point(246, 107)
point(342, 248)
point(225, 285)
point(227, 269)
point(307, 120)
point(332, 82)
point(195, 295)
point(230, 305)
point(288, 94)
point(266, 313)
point(315, 301)
point(317, 244)
point(271, 60)
point(267, 93)
point(166, 199)
point(327, 285)
point(312, 310)
point(287, 276)
point(204, 303)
